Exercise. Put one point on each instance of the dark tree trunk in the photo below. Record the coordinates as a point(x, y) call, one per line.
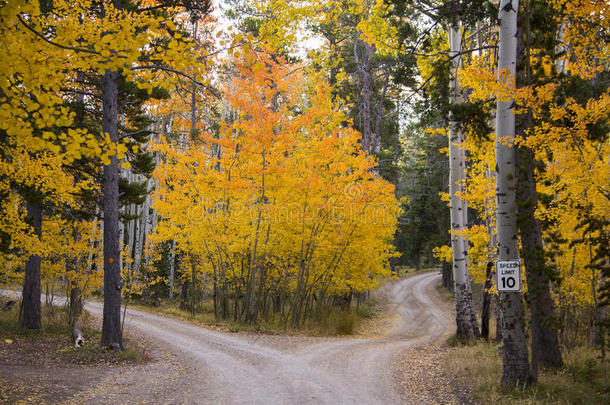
point(447, 275)
point(31, 315)
point(113, 282)
point(184, 294)
point(76, 302)
point(545, 342)
point(485, 312)
point(498, 313)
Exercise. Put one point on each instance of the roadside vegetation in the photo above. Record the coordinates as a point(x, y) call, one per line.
point(51, 344)
point(361, 315)
point(331, 321)
point(584, 378)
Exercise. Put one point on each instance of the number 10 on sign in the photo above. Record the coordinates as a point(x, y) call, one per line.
point(509, 275)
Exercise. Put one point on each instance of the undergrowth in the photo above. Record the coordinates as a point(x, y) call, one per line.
point(582, 380)
point(329, 322)
point(55, 337)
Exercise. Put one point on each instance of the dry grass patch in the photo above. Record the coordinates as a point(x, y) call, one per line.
point(581, 381)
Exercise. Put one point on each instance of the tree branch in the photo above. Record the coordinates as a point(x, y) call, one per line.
point(186, 75)
point(41, 36)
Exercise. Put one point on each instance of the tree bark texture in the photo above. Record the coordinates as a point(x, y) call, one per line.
point(75, 306)
point(31, 316)
point(516, 370)
point(467, 327)
point(113, 282)
point(545, 341)
point(486, 306)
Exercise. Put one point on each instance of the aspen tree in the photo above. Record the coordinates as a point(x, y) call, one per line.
point(516, 368)
point(467, 327)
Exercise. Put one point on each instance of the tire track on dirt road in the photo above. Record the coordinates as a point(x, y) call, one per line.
point(213, 367)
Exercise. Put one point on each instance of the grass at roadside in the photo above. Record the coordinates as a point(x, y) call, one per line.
point(331, 322)
point(51, 345)
point(581, 381)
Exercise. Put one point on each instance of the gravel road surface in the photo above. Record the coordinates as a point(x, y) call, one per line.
point(211, 367)
point(195, 365)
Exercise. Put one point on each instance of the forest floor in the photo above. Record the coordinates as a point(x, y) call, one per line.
point(398, 363)
point(44, 367)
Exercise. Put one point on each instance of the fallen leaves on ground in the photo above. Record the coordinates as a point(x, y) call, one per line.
point(425, 380)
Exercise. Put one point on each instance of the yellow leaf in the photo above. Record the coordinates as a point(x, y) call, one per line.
point(9, 341)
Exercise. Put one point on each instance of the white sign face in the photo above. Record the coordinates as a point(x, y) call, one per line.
point(509, 275)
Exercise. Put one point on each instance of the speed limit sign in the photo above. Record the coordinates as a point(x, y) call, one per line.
point(509, 275)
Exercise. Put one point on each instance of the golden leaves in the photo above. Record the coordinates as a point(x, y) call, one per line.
point(286, 162)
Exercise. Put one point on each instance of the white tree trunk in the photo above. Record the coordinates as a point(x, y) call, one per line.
point(143, 230)
point(172, 269)
point(465, 317)
point(516, 362)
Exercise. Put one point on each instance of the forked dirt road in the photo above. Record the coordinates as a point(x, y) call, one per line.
point(200, 365)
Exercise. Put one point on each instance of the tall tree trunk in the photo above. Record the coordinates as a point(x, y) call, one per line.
point(31, 315)
point(545, 342)
point(75, 305)
point(113, 283)
point(142, 231)
point(486, 306)
point(465, 317)
point(370, 140)
point(447, 279)
point(516, 370)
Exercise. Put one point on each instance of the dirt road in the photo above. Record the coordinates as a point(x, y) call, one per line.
point(207, 366)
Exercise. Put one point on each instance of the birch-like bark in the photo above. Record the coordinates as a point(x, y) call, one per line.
point(143, 230)
point(465, 317)
point(132, 210)
point(516, 369)
point(172, 264)
point(92, 240)
point(137, 234)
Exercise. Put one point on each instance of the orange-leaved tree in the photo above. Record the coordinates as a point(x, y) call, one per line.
point(280, 205)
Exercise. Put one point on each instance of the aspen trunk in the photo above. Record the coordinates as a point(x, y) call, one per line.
point(31, 315)
point(465, 317)
point(172, 263)
point(516, 370)
point(252, 304)
point(142, 231)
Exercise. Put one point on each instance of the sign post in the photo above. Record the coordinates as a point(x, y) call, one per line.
point(509, 275)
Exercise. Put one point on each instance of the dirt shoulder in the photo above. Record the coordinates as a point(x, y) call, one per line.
point(45, 367)
point(423, 370)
